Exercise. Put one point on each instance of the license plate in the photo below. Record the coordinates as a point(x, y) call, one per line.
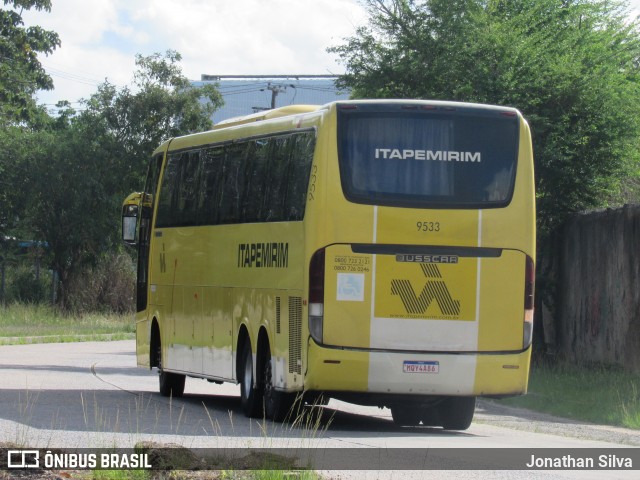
point(418, 366)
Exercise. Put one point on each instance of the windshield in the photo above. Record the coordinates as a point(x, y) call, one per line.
point(462, 158)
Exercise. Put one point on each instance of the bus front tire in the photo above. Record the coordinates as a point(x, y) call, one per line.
point(171, 384)
point(251, 394)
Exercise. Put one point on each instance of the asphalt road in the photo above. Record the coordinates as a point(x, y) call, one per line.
point(92, 395)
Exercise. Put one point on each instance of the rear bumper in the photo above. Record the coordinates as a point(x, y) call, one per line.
point(400, 373)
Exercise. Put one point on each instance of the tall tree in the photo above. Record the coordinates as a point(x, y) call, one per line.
point(571, 67)
point(159, 105)
point(83, 165)
point(21, 74)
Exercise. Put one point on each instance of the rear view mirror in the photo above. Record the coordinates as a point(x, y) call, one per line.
point(129, 222)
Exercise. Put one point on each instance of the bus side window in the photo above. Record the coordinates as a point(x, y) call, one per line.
point(232, 185)
point(253, 184)
point(280, 176)
point(167, 205)
point(300, 159)
point(188, 188)
point(211, 190)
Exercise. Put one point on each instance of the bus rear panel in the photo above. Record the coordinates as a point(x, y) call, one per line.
point(424, 288)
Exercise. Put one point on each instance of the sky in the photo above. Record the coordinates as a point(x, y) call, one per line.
point(100, 38)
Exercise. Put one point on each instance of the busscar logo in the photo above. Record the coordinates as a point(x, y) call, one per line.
point(427, 258)
point(434, 289)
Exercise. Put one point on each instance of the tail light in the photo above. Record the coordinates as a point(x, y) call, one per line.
point(316, 295)
point(529, 283)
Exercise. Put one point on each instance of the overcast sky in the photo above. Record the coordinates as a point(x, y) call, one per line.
point(101, 37)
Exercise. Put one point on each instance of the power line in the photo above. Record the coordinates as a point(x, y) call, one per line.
point(74, 77)
point(209, 78)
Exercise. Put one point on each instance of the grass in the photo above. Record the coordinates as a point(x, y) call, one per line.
point(23, 323)
point(120, 475)
point(187, 475)
point(594, 393)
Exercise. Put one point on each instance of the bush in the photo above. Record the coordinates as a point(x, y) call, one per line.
point(23, 286)
point(107, 287)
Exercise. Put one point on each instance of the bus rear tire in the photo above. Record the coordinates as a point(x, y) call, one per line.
point(456, 413)
point(406, 415)
point(251, 394)
point(171, 384)
point(278, 406)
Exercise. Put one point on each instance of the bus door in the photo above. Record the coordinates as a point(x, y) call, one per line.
point(147, 203)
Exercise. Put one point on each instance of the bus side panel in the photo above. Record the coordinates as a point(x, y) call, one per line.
point(143, 335)
point(207, 281)
point(214, 334)
point(286, 340)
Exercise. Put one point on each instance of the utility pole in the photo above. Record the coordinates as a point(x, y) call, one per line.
point(275, 90)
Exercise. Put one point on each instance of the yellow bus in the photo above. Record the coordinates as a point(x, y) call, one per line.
point(378, 252)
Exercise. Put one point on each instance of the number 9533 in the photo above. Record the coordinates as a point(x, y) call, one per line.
point(428, 226)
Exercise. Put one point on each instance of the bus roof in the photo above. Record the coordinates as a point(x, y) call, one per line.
point(267, 115)
point(292, 110)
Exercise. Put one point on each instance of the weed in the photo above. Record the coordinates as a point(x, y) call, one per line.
point(593, 393)
point(36, 323)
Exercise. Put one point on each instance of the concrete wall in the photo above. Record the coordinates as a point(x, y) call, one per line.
point(597, 314)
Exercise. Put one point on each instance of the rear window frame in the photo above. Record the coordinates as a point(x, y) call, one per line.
point(410, 200)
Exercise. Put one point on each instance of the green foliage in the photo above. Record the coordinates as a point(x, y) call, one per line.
point(571, 67)
point(25, 286)
point(161, 104)
point(65, 181)
point(38, 323)
point(21, 74)
point(109, 286)
point(70, 206)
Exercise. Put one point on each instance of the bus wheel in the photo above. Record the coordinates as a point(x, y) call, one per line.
point(171, 384)
point(250, 395)
point(277, 405)
point(406, 415)
point(456, 413)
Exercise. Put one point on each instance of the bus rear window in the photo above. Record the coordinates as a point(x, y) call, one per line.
point(428, 158)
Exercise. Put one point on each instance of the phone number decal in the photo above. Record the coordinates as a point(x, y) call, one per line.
point(352, 263)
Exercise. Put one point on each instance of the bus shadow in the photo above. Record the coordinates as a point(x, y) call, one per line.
point(317, 421)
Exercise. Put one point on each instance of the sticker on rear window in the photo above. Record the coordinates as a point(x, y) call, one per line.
point(350, 287)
